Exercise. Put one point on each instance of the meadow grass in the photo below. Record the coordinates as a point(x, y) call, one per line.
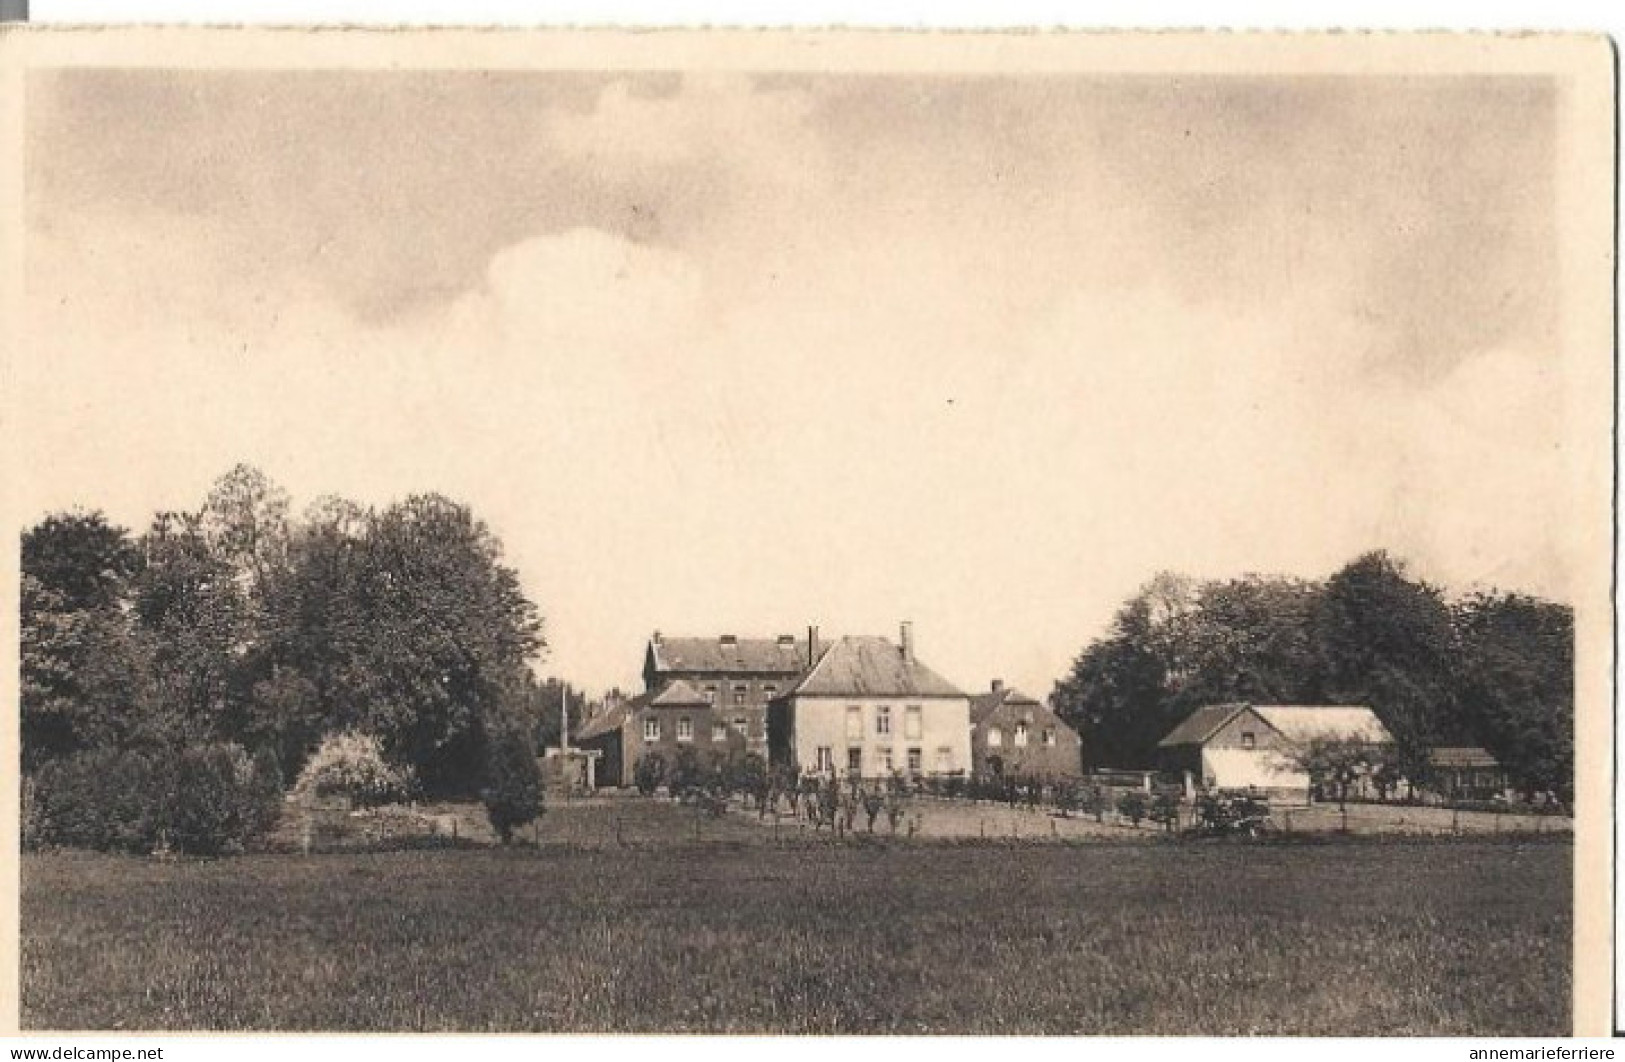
point(733, 933)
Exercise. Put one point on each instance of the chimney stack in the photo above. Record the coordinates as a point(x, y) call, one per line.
point(998, 685)
point(656, 638)
point(908, 641)
point(812, 645)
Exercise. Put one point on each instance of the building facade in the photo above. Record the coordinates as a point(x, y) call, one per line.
point(1013, 734)
point(1256, 747)
point(666, 721)
point(871, 709)
point(737, 677)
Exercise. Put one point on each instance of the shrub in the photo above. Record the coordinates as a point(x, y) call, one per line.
point(649, 773)
point(1164, 809)
point(108, 799)
point(513, 782)
point(205, 800)
point(1132, 805)
point(221, 800)
point(352, 766)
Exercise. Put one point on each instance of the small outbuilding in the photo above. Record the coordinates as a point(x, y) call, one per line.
point(1254, 746)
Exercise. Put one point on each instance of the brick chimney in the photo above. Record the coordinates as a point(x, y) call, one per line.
point(907, 636)
point(812, 644)
point(998, 685)
point(656, 638)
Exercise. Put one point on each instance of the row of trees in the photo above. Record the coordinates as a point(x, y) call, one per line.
point(1487, 669)
point(239, 625)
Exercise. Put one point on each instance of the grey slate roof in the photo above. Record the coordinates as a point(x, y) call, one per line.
point(674, 694)
point(870, 666)
point(983, 704)
point(765, 655)
point(1201, 724)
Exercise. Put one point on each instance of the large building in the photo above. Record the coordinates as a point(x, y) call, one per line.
point(868, 708)
point(737, 677)
point(1255, 746)
point(1013, 734)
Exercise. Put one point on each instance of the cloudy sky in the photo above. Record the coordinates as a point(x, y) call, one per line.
point(738, 354)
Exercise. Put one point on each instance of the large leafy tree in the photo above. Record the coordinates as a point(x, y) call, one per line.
point(1516, 684)
point(1386, 640)
point(81, 670)
point(1117, 694)
point(449, 634)
point(197, 629)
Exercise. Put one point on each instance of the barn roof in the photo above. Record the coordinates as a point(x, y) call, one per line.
point(1337, 722)
point(1201, 724)
point(783, 655)
point(1462, 756)
point(1295, 722)
point(870, 666)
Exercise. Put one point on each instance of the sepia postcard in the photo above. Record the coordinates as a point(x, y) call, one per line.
point(807, 533)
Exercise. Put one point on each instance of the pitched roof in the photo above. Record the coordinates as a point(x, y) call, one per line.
point(1201, 724)
point(612, 718)
point(678, 693)
point(1296, 722)
point(869, 666)
point(1338, 722)
point(783, 655)
point(1462, 756)
point(674, 694)
point(984, 704)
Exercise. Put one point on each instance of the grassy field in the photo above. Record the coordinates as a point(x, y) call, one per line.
point(736, 933)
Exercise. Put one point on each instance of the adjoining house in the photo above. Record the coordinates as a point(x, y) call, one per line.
point(1466, 772)
point(869, 708)
point(1013, 734)
point(736, 676)
point(667, 720)
point(1248, 746)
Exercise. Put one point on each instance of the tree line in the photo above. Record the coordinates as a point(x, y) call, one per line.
point(1489, 668)
point(241, 627)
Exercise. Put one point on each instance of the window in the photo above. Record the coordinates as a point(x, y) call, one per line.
point(739, 723)
point(1049, 735)
point(719, 731)
point(769, 691)
point(854, 723)
point(1021, 735)
point(739, 694)
point(651, 729)
point(884, 755)
point(824, 759)
point(854, 761)
point(883, 720)
point(711, 693)
point(995, 737)
point(685, 728)
point(945, 759)
point(916, 762)
point(911, 721)
point(1249, 740)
